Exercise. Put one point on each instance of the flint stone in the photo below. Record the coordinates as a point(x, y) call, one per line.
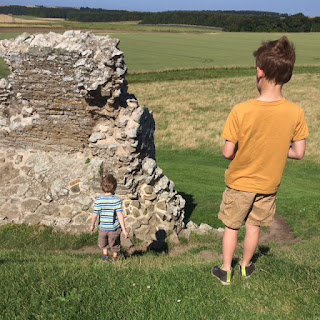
point(97, 136)
point(75, 188)
point(185, 233)
point(192, 226)
point(81, 218)
point(135, 204)
point(149, 165)
point(204, 228)
point(48, 221)
point(85, 202)
point(32, 219)
point(62, 223)
point(125, 242)
point(173, 238)
point(66, 212)
point(30, 205)
point(22, 189)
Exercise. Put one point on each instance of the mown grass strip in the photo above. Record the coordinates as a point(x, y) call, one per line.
point(210, 73)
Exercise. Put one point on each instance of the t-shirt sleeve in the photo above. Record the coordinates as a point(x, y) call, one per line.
point(118, 206)
point(96, 208)
point(231, 128)
point(301, 131)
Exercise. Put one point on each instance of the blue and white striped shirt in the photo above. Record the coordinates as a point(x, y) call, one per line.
point(108, 207)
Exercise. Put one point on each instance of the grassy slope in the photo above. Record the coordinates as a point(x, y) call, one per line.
point(199, 177)
point(63, 285)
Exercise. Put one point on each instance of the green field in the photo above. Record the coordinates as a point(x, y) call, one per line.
point(44, 275)
point(154, 51)
point(150, 51)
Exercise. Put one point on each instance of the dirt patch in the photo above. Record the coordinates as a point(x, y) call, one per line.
point(279, 232)
point(210, 255)
point(177, 250)
point(5, 18)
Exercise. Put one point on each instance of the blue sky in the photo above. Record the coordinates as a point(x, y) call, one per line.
point(307, 7)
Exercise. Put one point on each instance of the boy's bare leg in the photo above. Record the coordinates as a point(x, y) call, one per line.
point(105, 252)
point(250, 244)
point(230, 241)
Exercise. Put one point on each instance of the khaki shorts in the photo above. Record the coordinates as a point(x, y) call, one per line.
point(239, 206)
point(109, 239)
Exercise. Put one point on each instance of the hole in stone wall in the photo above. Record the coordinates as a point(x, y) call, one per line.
point(4, 69)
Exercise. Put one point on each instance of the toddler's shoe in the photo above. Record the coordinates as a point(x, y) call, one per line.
point(223, 276)
point(105, 259)
point(246, 272)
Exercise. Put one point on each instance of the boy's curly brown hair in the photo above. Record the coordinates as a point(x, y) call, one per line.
point(109, 184)
point(276, 59)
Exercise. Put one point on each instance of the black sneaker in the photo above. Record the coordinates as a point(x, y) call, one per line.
point(246, 272)
point(223, 276)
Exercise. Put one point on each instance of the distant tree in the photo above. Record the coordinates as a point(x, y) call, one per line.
point(245, 20)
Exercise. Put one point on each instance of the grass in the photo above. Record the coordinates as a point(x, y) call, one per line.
point(298, 198)
point(41, 239)
point(41, 24)
point(148, 50)
point(203, 73)
point(191, 114)
point(64, 285)
point(145, 52)
point(42, 276)
point(199, 178)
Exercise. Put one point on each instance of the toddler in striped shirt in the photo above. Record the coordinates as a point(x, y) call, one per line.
point(108, 208)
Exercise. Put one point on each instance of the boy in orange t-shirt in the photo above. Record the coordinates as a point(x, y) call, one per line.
point(259, 137)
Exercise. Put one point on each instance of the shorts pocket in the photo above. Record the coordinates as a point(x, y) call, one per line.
point(227, 200)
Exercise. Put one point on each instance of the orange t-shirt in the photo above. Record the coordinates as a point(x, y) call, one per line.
point(264, 132)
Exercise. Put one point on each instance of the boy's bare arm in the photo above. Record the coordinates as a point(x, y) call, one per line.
point(297, 150)
point(229, 150)
point(93, 222)
point(123, 226)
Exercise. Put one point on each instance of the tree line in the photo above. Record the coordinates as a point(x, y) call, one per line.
point(235, 21)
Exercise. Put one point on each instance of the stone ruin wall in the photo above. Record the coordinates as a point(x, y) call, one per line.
point(66, 119)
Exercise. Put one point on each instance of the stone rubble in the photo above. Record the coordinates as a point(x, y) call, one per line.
point(67, 119)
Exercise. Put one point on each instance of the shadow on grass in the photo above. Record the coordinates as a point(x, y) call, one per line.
point(262, 251)
point(157, 246)
point(190, 206)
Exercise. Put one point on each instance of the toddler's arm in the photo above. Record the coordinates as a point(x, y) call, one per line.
point(123, 226)
point(297, 150)
point(93, 221)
